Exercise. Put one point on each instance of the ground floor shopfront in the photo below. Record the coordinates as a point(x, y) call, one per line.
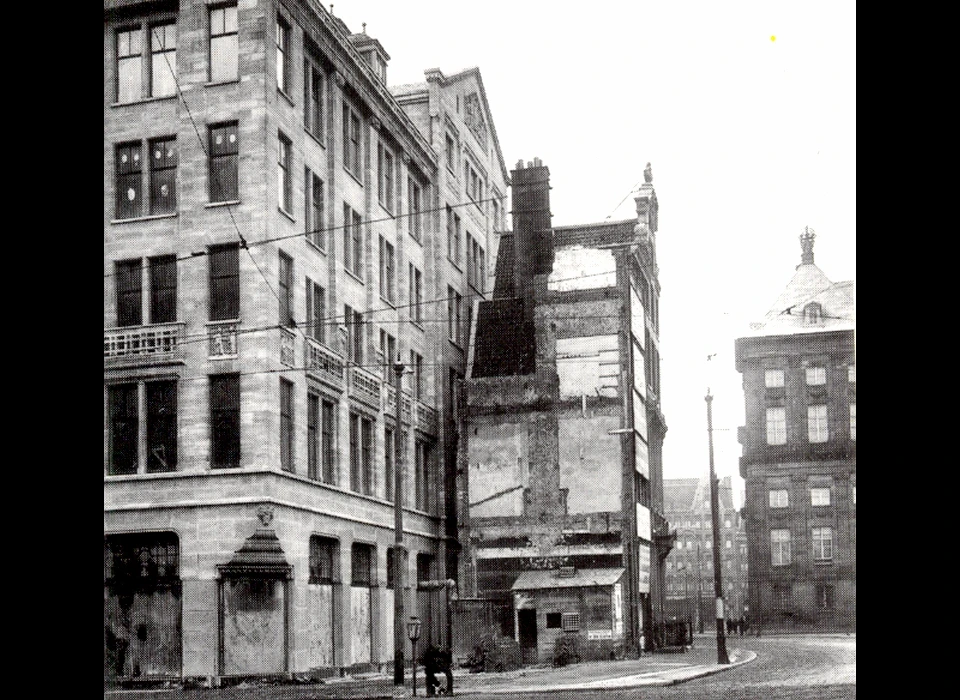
point(258, 589)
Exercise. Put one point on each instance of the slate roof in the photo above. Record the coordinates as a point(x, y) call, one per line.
point(582, 578)
point(809, 284)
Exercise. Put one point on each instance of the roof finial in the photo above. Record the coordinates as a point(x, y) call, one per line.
point(331, 8)
point(806, 245)
point(648, 174)
point(364, 27)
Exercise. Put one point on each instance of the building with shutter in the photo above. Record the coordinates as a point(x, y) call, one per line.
point(275, 238)
point(800, 453)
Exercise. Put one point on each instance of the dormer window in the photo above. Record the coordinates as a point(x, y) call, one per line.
point(813, 313)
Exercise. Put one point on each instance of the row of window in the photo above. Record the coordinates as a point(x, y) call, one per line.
point(707, 543)
point(472, 180)
point(159, 305)
point(147, 69)
point(813, 376)
point(819, 496)
point(149, 407)
point(821, 542)
point(324, 559)
point(146, 54)
point(783, 596)
point(817, 425)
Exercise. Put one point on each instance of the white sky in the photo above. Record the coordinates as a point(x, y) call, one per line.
point(747, 111)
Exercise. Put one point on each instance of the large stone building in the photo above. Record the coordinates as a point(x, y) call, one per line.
point(564, 429)
point(800, 452)
point(278, 231)
point(689, 570)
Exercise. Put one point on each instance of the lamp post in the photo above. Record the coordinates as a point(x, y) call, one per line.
point(398, 578)
point(715, 513)
point(413, 631)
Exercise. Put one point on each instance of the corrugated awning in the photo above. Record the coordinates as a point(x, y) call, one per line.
point(582, 578)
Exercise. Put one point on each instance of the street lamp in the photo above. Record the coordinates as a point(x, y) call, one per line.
point(413, 631)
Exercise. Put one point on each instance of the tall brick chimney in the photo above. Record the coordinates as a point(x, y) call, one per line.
point(532, 233)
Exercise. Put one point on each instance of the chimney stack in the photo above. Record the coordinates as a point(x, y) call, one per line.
point(532, 233)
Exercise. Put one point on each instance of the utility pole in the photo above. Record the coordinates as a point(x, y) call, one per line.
point(398, 578)
point(715, 513)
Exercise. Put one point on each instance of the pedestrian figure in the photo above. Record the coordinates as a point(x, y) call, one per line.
point(435, 661)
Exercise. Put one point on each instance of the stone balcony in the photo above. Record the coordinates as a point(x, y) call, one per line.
point(390, 404)
point(426, 418)
point(323, 364)
point(364, 386)
point(159, 343)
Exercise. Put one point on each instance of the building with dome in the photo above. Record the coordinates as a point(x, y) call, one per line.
point(800, 452)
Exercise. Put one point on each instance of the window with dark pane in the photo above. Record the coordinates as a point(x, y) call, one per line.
point(129, 172)
point(129, 281)
point(286, 425)
point(224, 282)
point(313, 99)
point(391, 574)
point(284, 176)
point(415, 203)
point(161, 426)
point(316, 308)
point(283, 54)
point(224, 149)
point(225, 420)
point(163, 60)
point(351, 141)
point(388, 464)
point(163, 289)
point(285, 290)
point(318, 235)
point(422, 474)
point(129, 65)
point(424, 567)
point(323, 552)
point(366, 455)
point(224, 44)
point(163, 175)
point(354, 452)
point(361, 564)
point(327, 440)
point(313, 436)
point(124, 424)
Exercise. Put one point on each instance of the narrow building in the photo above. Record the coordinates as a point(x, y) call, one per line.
point(564, 430)
point(275, 241)
point(800, 453)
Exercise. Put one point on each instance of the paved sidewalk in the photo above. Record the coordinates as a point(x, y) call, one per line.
point(656, 669)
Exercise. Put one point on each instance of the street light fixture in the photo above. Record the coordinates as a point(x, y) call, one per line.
point(413, 631)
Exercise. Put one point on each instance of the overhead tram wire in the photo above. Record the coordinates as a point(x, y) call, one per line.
point(326, 229)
